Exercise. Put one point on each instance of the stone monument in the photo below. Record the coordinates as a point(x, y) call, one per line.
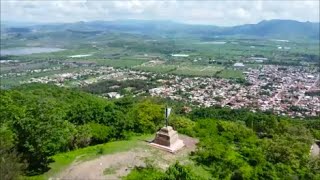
point(167, 138)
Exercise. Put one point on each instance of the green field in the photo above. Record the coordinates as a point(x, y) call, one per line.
point(230, 74)
point(195, 70)
point(161, 68)
point(186, 69)
point(120, 63)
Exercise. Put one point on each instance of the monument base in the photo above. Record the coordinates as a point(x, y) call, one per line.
point(167, 139)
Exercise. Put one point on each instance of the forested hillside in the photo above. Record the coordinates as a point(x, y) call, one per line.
point(38, 121)
point(237, 144)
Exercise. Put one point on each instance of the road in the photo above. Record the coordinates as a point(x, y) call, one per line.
point(279, 92)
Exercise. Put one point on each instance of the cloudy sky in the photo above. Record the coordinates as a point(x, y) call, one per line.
point(214, 12)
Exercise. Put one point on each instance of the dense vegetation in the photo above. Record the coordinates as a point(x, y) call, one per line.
point(239, 144)
point(123, 87)
point(38, 121)
point(41, 120)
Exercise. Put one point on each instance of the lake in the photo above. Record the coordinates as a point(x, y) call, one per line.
point(27, 50)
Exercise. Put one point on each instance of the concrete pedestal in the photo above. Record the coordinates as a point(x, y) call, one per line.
point(168, 140)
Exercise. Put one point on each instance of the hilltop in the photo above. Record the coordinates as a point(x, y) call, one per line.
point(50, 128)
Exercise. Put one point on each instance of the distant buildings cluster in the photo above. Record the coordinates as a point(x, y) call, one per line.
point(292, 91)
point(85, 77)
point(279, 89)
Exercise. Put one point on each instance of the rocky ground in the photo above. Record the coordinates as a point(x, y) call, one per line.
point(115, 166)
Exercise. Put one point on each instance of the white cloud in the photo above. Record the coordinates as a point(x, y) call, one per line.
point(200, 12)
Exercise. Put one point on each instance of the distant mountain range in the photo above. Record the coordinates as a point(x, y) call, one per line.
point(277, 29)
point(280, 29)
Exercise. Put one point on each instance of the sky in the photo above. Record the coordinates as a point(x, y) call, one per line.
point(215, 12)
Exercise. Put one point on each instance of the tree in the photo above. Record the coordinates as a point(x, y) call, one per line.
point(88, 110)
point(10, 162)
point(146, 116)
point(41, 135)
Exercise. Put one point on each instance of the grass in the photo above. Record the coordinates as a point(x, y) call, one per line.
point(163, 68)
point(63, 160)
point(181, 69)
point(231, 74)
point(200, 170)
point(120, 63)
point(196, 70)
point(111, 170)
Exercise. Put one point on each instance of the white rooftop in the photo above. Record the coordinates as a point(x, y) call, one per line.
point(238, 65)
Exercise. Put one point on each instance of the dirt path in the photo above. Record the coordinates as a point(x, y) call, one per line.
point(114, 166)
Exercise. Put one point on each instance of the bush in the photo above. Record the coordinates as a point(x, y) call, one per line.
point(174, 172)
point(100, 150)
point(82, 137)
point(183, 125)
point(147, 173)
point(100, 133)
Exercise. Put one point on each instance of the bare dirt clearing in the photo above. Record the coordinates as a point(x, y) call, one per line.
point(114, 166)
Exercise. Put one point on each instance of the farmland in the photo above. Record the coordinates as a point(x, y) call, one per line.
point(203, 57)
point(120, 63)
point(195, 70)
point(230, 73)
point(157, 68)
point(184, 69)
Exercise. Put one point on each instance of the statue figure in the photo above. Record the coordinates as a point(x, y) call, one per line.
point(167, 114)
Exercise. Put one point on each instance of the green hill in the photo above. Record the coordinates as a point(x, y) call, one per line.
point(40, 121)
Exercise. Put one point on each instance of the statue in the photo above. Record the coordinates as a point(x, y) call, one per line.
point(167, 138)
point(167, 113)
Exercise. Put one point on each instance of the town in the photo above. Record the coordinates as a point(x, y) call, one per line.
point(284, 90)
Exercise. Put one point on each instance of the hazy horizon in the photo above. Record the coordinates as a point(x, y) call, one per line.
point(21, 23)
point(226, 13)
